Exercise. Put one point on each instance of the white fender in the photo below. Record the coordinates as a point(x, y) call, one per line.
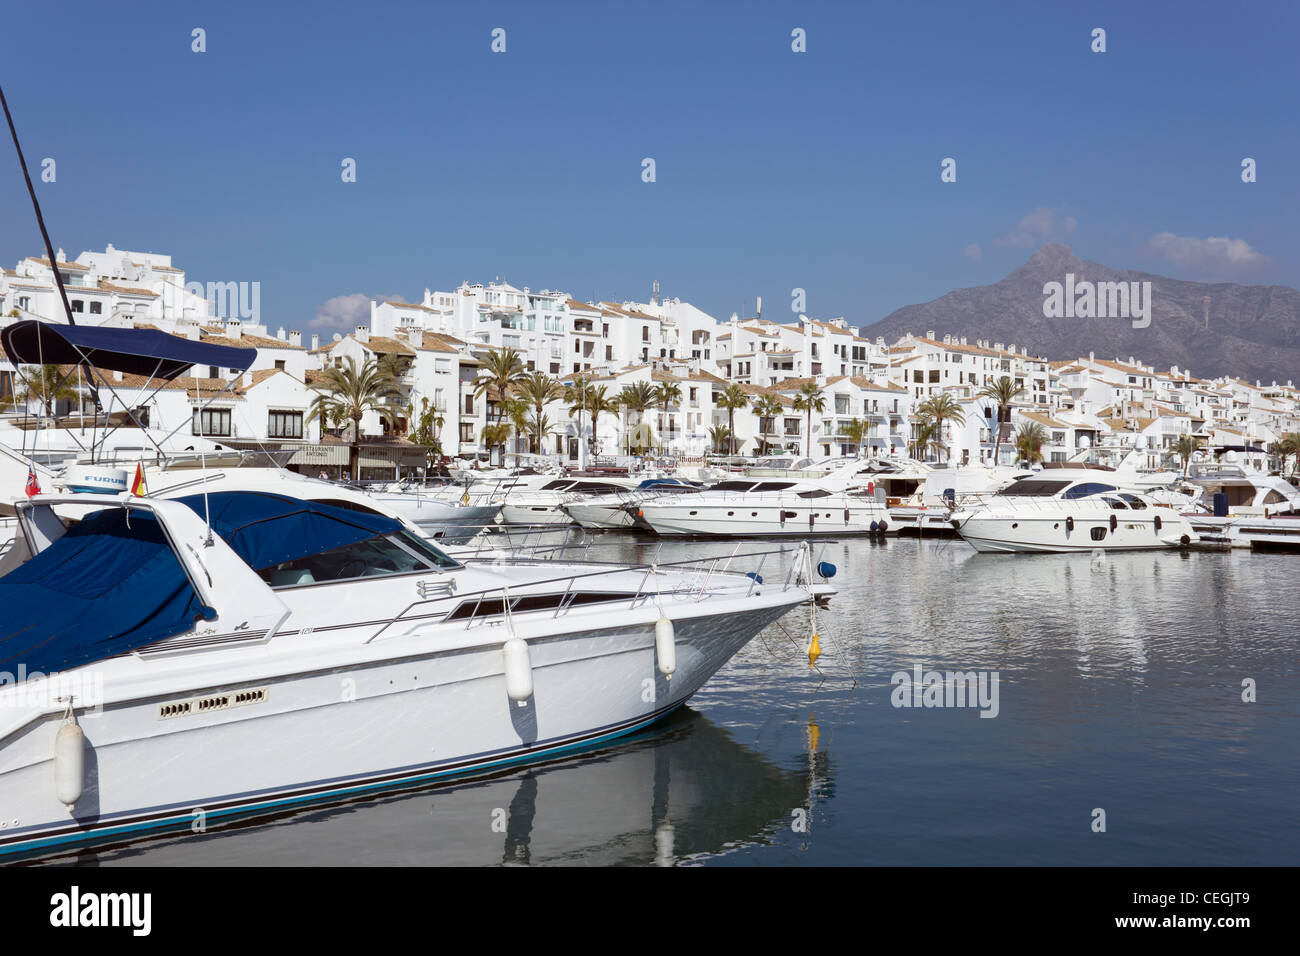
point(666, 646)
point(69, 763)
point(519, 671)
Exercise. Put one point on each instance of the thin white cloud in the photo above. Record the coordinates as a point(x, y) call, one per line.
point(973, 252)
point(1038, 226)
point(1214, 253)
point(346, 312)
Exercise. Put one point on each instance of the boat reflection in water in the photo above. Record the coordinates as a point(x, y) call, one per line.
point(686, 790)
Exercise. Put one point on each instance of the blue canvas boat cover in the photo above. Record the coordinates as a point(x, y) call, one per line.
point(147, 352)
point(113, 584)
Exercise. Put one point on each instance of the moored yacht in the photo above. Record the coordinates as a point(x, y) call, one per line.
point(616, 510)
point(238, 652)
point(546, 505)
point(1070, 510)
point(763, 507)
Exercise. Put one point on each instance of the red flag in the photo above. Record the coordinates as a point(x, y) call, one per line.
point(33, 486)
point(137, 486)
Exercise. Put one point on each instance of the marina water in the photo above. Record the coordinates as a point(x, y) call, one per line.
point(1119, 686)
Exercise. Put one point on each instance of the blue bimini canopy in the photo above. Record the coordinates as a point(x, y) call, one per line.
point(108, 587)
point(145, 352)
point(266, 529)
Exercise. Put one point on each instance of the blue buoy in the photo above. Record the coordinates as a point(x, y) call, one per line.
point(826, 569)
point(875, 526)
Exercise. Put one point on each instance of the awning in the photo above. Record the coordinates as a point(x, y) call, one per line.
point(145, 352)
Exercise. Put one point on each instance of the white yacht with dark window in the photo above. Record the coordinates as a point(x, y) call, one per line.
point(1070, 510)
point(545, 505)
point(767, 507)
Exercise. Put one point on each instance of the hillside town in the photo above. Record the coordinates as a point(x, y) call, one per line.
point(487, 370)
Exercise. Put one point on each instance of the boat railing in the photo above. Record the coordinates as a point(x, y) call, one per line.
point(498, 601)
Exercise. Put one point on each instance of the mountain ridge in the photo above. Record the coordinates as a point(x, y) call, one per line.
point(1253, 332)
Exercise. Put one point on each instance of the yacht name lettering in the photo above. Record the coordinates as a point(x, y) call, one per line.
point(73, 909)
point(946, 689)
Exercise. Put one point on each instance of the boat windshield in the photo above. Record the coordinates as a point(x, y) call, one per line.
point(399, 553)
point(1086, 488)
point(1034, 487)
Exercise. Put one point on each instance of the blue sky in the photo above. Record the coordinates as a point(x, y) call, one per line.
point(775, 169)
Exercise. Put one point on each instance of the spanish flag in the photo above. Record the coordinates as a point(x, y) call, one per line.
point(137, 485)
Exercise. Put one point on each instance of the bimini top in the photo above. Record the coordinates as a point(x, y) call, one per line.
point(113, 584)
point(145, 352)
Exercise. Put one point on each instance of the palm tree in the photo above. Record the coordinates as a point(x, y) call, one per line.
point(637, 397)
point(346, 393)
point(600, 402)
point(498, 374)
point(939, 409)
point(720, 435)
point(47, 385)
point(577, 395)
point(858, 431)
point(1003, 392)
point(732, 398)
point(666, 394)
point(1185, 447)
point(495, 436)
point(538, 390)
point(1282, 449)
point(809, 399)
point(1030, 440)
point(766, 409)
point(514, 415)
point(926, 430)
point(428, 430)
point(394, 364)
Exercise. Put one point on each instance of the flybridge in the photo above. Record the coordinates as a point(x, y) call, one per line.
point(1098, 300)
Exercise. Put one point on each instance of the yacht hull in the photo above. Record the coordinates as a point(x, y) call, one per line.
point(739, 519)
point(1051, 533)
point(343, 730)
point(602, 517)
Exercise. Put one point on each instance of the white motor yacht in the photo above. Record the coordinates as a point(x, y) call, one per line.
point(546, 505)
point(1073, 509)
point(616, 511)
point(238, 652)
point(759, 507)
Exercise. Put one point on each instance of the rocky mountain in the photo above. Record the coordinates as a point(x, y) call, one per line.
point(1248, 331)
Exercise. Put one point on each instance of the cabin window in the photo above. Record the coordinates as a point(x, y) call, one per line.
point(1084, 489)
point(96, 308)
point(1134, 502)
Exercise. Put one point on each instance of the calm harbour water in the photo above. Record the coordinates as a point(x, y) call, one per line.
point(1119, 687)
